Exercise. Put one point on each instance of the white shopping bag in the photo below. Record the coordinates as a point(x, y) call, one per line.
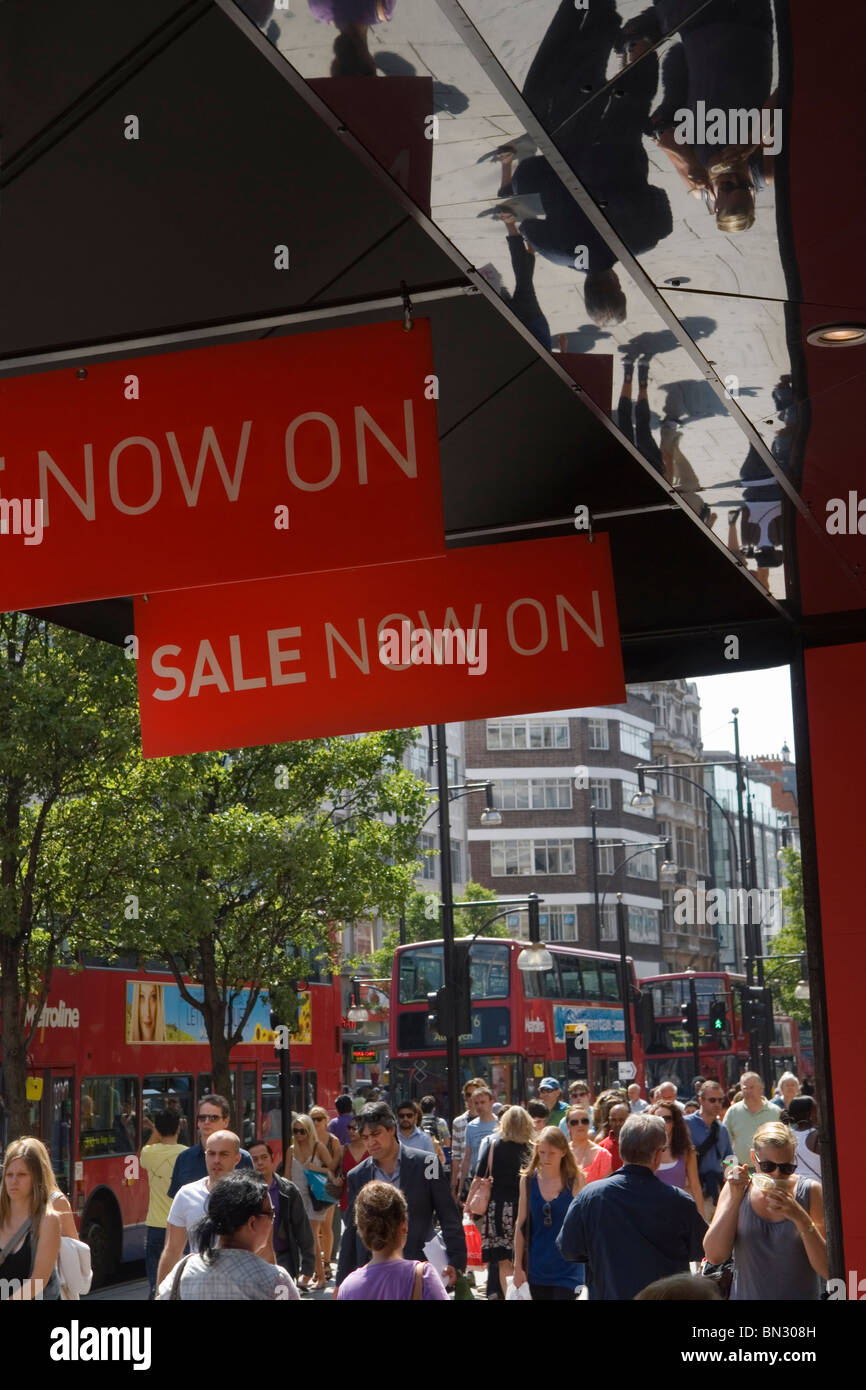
point(514, 1294)
point(434, 1253)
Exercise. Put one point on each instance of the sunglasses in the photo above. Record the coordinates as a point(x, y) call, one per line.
point(266, 1211)
point(208, 1119)
point(668, 1119)
point(786, 1169)
point(299, 1131)
point(572, 1123)
point(548, 1214)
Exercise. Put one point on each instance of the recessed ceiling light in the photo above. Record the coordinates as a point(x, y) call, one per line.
point(837, 335)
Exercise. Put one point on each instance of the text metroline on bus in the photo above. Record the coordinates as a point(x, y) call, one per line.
point(115, 1044)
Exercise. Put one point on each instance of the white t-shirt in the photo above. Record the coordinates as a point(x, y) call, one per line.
point(190, 1204)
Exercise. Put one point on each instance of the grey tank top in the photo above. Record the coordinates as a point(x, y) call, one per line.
point(770, 1260)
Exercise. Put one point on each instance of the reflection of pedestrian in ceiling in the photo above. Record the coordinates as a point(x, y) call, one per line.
point(760, 517)
point(600, 135)
point(352, 56)
point(724, 62)
point(523, 301)
point(633, 419)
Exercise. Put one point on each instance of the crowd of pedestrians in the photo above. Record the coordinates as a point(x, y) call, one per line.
point(624, 1196)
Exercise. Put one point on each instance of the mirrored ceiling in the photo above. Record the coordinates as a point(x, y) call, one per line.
point(612, 170)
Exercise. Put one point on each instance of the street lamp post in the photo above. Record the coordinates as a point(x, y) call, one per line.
point(623, 977)
point(449, 974)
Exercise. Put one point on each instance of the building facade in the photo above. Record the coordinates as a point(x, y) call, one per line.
point(548, 772)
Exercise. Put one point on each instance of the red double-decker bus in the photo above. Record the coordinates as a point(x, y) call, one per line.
point(519, 1020)
point(723, 1055)
point(115, 1044)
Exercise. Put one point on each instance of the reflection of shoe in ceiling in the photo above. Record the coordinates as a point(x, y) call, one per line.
point(521, 147)
point(518, 207)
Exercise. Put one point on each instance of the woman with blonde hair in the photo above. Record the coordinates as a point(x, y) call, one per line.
point(592, 1160)
point(550, 1180)
point(501, 1158)
point(309, 1152)
point(325, 1229)
point(147, 1014)
point(29, 1227)
point(772, 1223)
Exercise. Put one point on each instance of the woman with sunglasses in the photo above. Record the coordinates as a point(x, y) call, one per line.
point(309, 1152)
point(549, 1182)
point(592, 1160)
point(230, 1239)
point(772, 1223)
point(679, 1165)
point(319, 1118)
point(354, 1153)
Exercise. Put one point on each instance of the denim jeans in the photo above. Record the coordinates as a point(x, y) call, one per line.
point(154, 1240)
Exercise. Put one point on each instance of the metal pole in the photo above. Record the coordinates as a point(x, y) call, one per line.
point(449, 975)
point(402, 929)
point(696, 1027)
point(286, 1104)
point(594, 823)
point(624, 977)
point(745, 866)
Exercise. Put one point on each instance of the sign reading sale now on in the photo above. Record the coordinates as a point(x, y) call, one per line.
point(219, 464)
point(345, 651)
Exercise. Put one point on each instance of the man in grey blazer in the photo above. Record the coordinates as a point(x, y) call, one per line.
point(423, 1183)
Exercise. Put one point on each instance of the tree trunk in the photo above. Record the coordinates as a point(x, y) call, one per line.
point(14, 1051)
point(215, 1023)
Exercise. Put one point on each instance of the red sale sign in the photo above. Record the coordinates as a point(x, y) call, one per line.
point(493, 630)
point(219, 464)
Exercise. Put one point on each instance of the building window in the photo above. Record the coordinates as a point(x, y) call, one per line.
point(635, 742)
point(456, 862)
point(685, 849)
point(643, 865)
point(453, 769)
point(509, 858)
point(532, 794)
point(559, 922)
point(417, 760)
point(598, 733)
point(608, 922)
point(428, 863)
point(605, 850)
point(507, 734)
point(643, 926)
point(599, 793)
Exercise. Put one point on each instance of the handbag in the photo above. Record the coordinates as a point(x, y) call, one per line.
point(318, 1185)
point(75, 1268)
point(479, 1193)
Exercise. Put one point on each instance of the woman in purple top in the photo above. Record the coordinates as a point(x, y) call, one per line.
point(382, 1221)
point(679, 1165)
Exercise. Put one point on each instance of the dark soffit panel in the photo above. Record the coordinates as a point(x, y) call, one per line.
point(179, 227)
point(56, 52)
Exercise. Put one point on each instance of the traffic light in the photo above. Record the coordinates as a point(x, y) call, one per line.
point(718, 1019)
point(757, 1009)
point(439, 1012)
point(463, 993)
point(689, 1016)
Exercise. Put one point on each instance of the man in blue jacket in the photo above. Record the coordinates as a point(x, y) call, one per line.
point(213, 1114)
point(632, 1229)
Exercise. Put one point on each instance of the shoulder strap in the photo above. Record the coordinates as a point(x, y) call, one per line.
point(10, 1245)
point(175, 1288)
point(489, 1156)
point(420, 1266)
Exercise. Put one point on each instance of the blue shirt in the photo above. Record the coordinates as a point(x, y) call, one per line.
point(475, 1132)
point(630, 1230)
point(712, 1159)
point(417, 1140)
point(340, 1128)
point(191, 1166)
point(546, 1264)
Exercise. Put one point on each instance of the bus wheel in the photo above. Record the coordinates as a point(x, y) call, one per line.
point(97, 1232)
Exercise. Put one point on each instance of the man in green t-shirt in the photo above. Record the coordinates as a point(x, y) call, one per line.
point(158, 1158)
point(746, 1116)
point(550, 1092)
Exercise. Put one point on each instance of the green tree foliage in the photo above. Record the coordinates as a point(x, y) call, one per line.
point(790, 941)
point(68, 738)
point(249, 862)
point(423, 923)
